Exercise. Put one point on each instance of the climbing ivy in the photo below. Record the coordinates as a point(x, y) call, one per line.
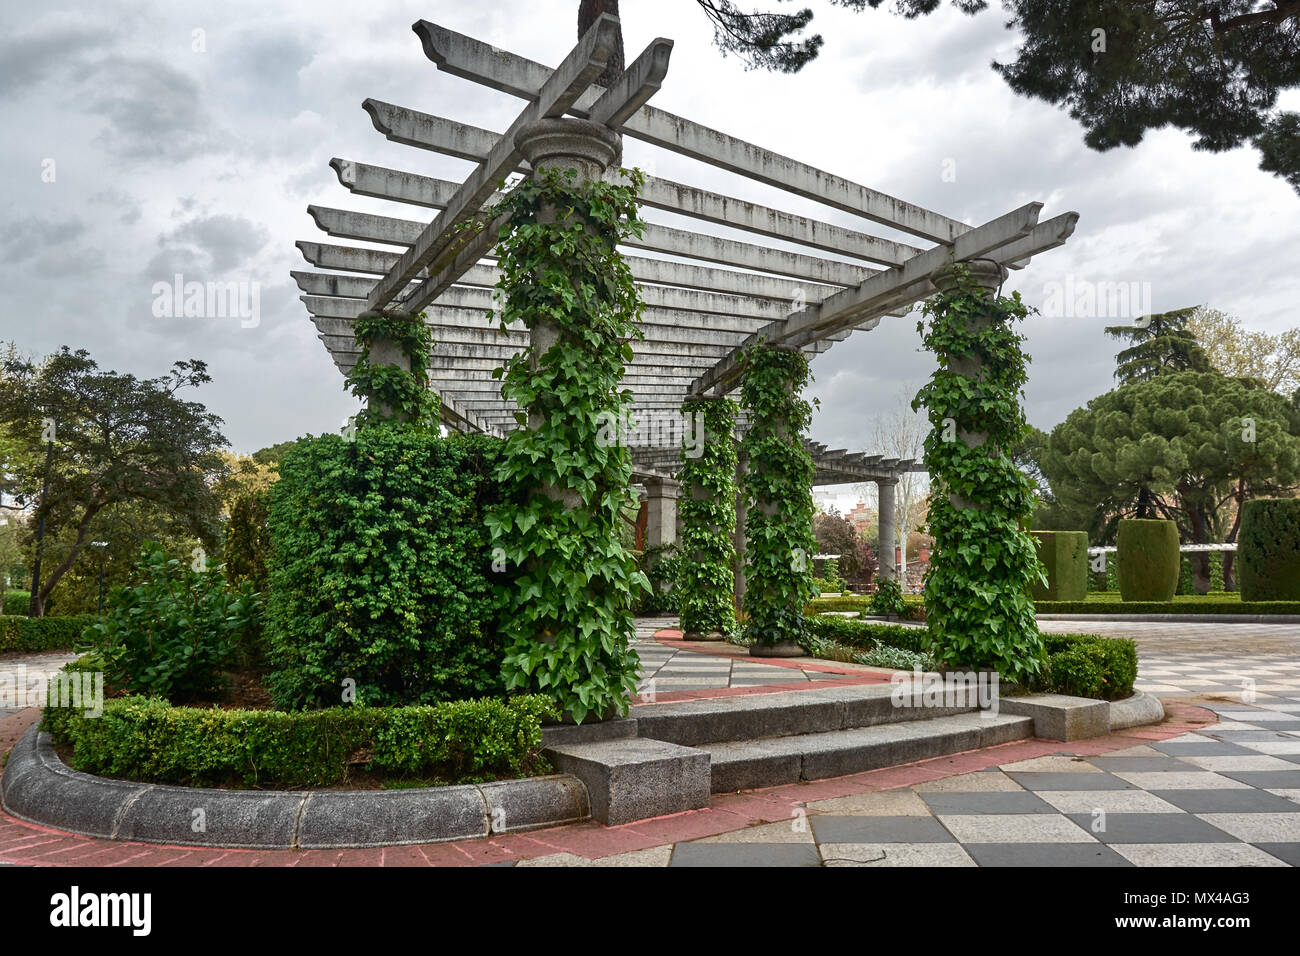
point(706, 576)
point(978, 605)
point(779, 542)
point(568, 621)
point(405, 394)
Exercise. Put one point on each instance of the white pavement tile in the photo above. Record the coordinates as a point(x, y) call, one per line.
point(1015, 828)
point(1192, 780)
point(883, 803)
point(1111, 801)
point(1195, 854)
point(1272, 746)
point(1053, 764)
point(894, 854)
point(1238, 763)
point(795, 830)
point(1257, 827)
point(983, 781)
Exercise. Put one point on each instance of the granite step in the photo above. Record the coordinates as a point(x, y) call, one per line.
point(774, 761)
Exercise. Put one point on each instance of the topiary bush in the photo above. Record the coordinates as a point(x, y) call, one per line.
point(381, 579)
point(1147, 559)
point(1268, 550)
point(1065, 556)
point(172, 634)
point(888, 598)
point(1087, 665)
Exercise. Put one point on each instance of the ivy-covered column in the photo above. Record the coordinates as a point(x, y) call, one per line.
point(568, 619)
point(978, 604)
point(779, 542)
point(391, 373)
point(706, 577)
point(738, 537)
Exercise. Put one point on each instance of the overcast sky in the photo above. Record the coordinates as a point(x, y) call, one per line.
point(148, 139)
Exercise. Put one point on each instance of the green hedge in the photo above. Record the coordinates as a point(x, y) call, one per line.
point(1148, 559)
point(1269, 549)
point(914, 605)
point(1065, 555)
point(43, 633)
point(382, 570)
point(865, 634)
point(147, 739)
point(1086, 665)
point(16, 603)
point(1201, 605)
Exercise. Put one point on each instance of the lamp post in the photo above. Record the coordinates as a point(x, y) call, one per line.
point(102, 548)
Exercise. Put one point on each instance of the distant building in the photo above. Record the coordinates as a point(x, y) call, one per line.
point(860, 517)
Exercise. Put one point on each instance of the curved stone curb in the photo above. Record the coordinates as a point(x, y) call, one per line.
point(1176, 618)
point(39, 788)
point(1136, 711)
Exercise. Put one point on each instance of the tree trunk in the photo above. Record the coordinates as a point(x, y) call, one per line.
point(589, 11)
point(42, 595)
point(1230, 557)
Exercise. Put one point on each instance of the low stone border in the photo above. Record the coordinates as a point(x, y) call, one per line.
point(1136, 711)
point(39, 788)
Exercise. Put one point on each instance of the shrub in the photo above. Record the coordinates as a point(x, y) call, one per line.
point(1086, 665)
point(661, 567)
point(832, 580)
point(16, 603)
point(865, 634)
point(1065, 555)
point(452, 742)
point(43, 633)
point(1269, 550)
point(888, 598)
point(1148, 559)
point(171, 635)
point(381, 569)
point(248, 541)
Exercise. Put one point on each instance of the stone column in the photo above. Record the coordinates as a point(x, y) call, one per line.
point(588, 148)
point(384, 351)
point(888, 528)
point(989, 275)
point(738, 536)
point(661, 512)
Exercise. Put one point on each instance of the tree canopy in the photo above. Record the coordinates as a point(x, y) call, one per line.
point(106, 440)
point(1158, 343)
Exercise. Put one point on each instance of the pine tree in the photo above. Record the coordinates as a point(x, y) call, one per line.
point(1159, 343)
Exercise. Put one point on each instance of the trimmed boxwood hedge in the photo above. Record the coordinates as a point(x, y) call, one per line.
point(147, 739)
point(43, 633)
point(1065, 555)
point(914, 609)
point(1087, 665)
point(1199, 606)
point(1148, 559)
point(1269, 550)
point(866, 634)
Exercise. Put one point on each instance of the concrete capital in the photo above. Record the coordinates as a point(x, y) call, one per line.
point(986, 272)
point(569, 144)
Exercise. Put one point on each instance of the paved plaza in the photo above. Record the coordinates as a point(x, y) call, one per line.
point(1218, 784)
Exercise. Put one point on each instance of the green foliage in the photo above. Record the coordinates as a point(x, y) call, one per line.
point(30, 634)
point(1064, 555)
point(706, 580)
point(146, 739)
point(390, 391)
point(1160, 344)
point(888, 598)
point(172, 634)
point(1187, 571)
point(1086, 665)
point(1223, 603)
point(977, 598)
point(866, 634)
point(16, 602)
point(662, 568)
point(834, 583)
point(779, 542)
point(569, 620)
point(1147, 560)
point(1269, 550)
point(1180, 446)
point(118, 445)
point(248, 541)
point(380, 569)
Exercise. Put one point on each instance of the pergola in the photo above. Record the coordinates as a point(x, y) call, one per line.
point(707, 296)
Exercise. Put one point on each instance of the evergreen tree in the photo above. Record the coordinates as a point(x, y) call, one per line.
point(1158, 343)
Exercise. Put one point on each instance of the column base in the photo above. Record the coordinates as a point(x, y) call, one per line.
point(784, 649)
point(703, 636)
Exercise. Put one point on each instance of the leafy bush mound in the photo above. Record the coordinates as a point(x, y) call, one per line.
point(32, 634)
point(147, 739)
point(1147, 559)
point(381, 570)
point(1269, 548)
point(888, 598)
point(661, 566)
point(171, 635)
point(1087, 665)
